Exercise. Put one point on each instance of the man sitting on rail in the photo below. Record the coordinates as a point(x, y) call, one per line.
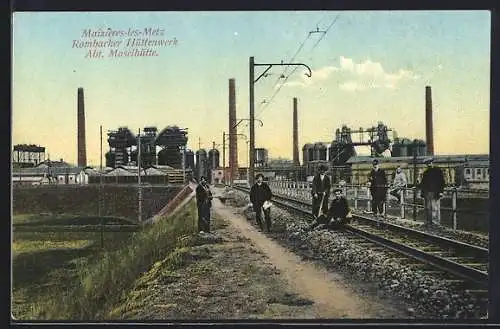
point(339, 212)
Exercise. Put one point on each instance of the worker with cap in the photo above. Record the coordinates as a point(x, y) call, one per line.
point(398, 184)
point(432, 187)
point(320, 192)
point(378, 188)
point(339, 212)
point(203, 203)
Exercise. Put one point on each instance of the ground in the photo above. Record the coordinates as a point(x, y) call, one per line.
point(240, 273)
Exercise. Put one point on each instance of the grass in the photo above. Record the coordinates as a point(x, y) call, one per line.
point(66, 219)
point(65, 275)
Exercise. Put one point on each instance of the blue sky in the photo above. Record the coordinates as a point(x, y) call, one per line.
point(369, 67)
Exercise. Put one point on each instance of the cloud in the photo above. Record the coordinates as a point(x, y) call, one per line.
point(360, 76)
point(369, 75)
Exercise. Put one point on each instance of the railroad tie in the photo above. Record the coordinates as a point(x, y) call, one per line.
point(475, 264)
point(477, 291)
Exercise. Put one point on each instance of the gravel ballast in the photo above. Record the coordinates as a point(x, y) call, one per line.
point(427, 295)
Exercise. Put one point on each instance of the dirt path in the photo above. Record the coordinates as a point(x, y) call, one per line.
point(332, 299)
point(241, 274)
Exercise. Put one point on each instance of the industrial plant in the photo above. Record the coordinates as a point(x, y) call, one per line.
point(165, 153)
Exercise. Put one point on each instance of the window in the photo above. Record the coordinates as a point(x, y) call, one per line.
point(478, 171)
point(467, 171)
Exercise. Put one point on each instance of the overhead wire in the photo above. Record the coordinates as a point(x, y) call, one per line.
point(329, 27)
point(293, 57)
point(296, 67)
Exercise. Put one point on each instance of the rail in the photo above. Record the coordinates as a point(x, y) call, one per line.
point(448, 255)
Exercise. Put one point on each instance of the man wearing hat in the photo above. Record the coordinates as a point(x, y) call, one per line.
point(320, 192)
point(432, 187)
point(259, 194)
point(204, 203)
point(378, 188)
point(339, 212)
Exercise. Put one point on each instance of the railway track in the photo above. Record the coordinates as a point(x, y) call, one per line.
point(459, 263)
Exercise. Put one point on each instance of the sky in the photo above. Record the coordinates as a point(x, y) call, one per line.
point(368, 67)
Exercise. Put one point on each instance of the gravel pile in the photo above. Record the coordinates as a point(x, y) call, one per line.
point(426, 295)
point(235, 198)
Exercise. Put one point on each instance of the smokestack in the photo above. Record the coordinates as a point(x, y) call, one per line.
point(296, 161)
point(233, 143)
point(82, 149)
point(429, 138)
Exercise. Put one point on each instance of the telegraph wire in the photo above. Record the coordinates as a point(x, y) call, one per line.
point(329, 27)
point(282, 75)
point(267, 103)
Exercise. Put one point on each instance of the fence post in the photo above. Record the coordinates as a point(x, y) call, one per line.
point(454, 207)
point(414, 203)
point(369, 198)
point(355, 198)
point(402, 193)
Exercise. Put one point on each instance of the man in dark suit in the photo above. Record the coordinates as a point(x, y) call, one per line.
point(378, 188)
point(320, 192)
point(260, 193)
point(339, 212)
point(432, 187)
point(204, 203)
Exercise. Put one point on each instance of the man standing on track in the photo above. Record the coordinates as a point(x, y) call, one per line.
point(378, 188)
point(398, 184)
point(432, 187)
point(204, 203)
point(320, 192)
point(259, 194)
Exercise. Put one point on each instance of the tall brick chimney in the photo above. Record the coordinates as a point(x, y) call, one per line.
point(429, 137)
point(233, 142)
point(296, 161)
point(82, 149)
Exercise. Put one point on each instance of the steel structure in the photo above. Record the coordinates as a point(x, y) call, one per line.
point(24, 155)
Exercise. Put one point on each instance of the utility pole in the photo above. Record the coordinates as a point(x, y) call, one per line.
point(224, 157)
point(213, 163)
point(100, 191)
point(252, 81)
point(251, 167)
point(183, 149)
point(139, 174)
point(414, 147)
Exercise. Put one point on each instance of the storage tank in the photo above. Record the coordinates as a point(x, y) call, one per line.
point(405, 147)
point(319, 151)
point(307, 153)
point(421, 147)
point(213, 159)
point(190, 159)
point(201, 164)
